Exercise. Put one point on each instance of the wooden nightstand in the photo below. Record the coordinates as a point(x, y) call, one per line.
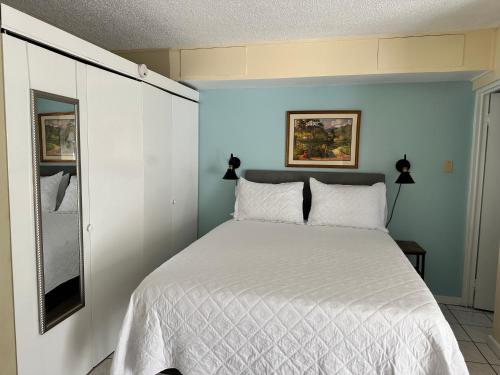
point(413, 248)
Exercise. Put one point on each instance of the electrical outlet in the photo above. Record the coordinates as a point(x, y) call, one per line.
point(448, 166)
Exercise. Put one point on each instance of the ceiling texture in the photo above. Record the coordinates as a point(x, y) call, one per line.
point(141, 24)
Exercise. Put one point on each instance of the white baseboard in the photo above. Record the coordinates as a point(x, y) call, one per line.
point(493, 345)
point(447, 300)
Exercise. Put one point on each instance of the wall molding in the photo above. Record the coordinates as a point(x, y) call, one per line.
point(476, 176)
point(8, 364)
point(449, 300)
point(493, 345)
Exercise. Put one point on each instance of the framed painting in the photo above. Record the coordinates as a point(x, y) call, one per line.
point(323, 139)
point(57, 137)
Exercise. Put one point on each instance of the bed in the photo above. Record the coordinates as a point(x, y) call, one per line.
point(271, 298)
point(61, 248)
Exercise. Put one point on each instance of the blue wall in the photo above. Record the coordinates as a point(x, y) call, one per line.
point(48, 106)
point(431, 122)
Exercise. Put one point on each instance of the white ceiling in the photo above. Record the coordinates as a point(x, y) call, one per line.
point(131, 24)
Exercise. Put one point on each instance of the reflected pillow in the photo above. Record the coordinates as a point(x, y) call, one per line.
point(49, 186)
point(70, 201)
point(348, 206)
point(269, 202)
point(62, 189)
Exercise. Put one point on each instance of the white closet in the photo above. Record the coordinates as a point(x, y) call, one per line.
point(139, 180)
point(157, 143)
point(116, 187)
point(184, 172)
point(67, 348)
point(170, 183)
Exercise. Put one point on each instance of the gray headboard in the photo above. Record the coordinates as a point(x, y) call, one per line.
point(342, 178)
point(48, 169)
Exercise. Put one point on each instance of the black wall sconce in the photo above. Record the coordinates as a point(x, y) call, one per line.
point(233, 164)
point(403, 167)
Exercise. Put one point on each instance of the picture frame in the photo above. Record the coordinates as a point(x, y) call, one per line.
point(57, 137)
point(323, 139)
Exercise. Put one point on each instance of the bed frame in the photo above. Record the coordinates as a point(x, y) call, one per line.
point(341, 178)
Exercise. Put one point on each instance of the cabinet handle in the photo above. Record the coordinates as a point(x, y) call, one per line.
point(173, 201)
point(89, 227)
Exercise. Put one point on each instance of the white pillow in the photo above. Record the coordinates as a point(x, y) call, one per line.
point(269, 202)
point(70, 200)
point(49, 185)
point(348, 206)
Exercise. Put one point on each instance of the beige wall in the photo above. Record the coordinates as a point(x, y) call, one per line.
point(7, 334)
point(494, 74)
point(156, 60)
point(468, 51)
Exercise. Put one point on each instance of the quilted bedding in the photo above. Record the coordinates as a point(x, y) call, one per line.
point(269, 298)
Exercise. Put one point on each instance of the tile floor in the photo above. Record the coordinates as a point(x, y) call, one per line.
point(103, 368)
point(471, 328)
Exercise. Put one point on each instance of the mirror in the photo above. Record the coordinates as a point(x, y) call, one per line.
point(57, 197)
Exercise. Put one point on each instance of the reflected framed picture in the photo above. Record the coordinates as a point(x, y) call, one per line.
point(57, 137)
point(323, 139)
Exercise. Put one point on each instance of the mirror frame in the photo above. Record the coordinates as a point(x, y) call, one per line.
point(35, 147)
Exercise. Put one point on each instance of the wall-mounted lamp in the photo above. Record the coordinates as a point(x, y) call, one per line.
point(403, 167)
point(233, 164)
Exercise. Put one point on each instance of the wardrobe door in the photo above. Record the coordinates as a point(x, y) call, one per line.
point(116, 201)
point(157, 140)
point(184, 172)
point(65, 348)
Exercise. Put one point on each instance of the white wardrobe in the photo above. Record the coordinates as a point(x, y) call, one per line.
point(139, 186)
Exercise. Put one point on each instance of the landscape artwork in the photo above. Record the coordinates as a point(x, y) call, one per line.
point(328, 139)
point(58, 137)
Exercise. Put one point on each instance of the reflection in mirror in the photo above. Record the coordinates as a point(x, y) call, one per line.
point(56, 167)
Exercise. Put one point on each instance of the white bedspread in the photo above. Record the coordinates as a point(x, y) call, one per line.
point(61, 248)
point(267, 298)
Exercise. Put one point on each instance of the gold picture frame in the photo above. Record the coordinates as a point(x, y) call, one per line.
point(57, 137)
point(323, 139)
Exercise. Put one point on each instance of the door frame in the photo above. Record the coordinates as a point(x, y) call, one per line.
point(475, 193)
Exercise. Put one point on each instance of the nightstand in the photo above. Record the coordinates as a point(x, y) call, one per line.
point(413, 248)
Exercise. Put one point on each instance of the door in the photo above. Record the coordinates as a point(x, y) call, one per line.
point(116, 191)
point(184, 172)
point(66, 348)
point(489, 233)
point(157, 145)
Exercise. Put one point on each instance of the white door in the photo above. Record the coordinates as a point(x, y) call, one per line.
point(157, 141)
point(184, 172)
point(489, 232)
point(66, 348)
point(116, 201)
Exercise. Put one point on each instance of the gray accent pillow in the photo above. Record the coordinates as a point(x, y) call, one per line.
point(62, 189)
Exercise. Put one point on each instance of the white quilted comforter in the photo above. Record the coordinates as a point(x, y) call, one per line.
point(267, 298)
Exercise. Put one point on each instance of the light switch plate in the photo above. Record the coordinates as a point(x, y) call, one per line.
point(448, 166)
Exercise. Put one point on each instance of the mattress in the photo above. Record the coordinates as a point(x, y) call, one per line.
point(61, 248)
point(271, 298)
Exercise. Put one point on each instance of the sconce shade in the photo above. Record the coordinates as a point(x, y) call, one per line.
point(230, 175)
point(233, 164)
point(405, 178)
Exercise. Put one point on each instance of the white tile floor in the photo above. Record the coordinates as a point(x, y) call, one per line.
point(103, 368)
point(471, 328)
